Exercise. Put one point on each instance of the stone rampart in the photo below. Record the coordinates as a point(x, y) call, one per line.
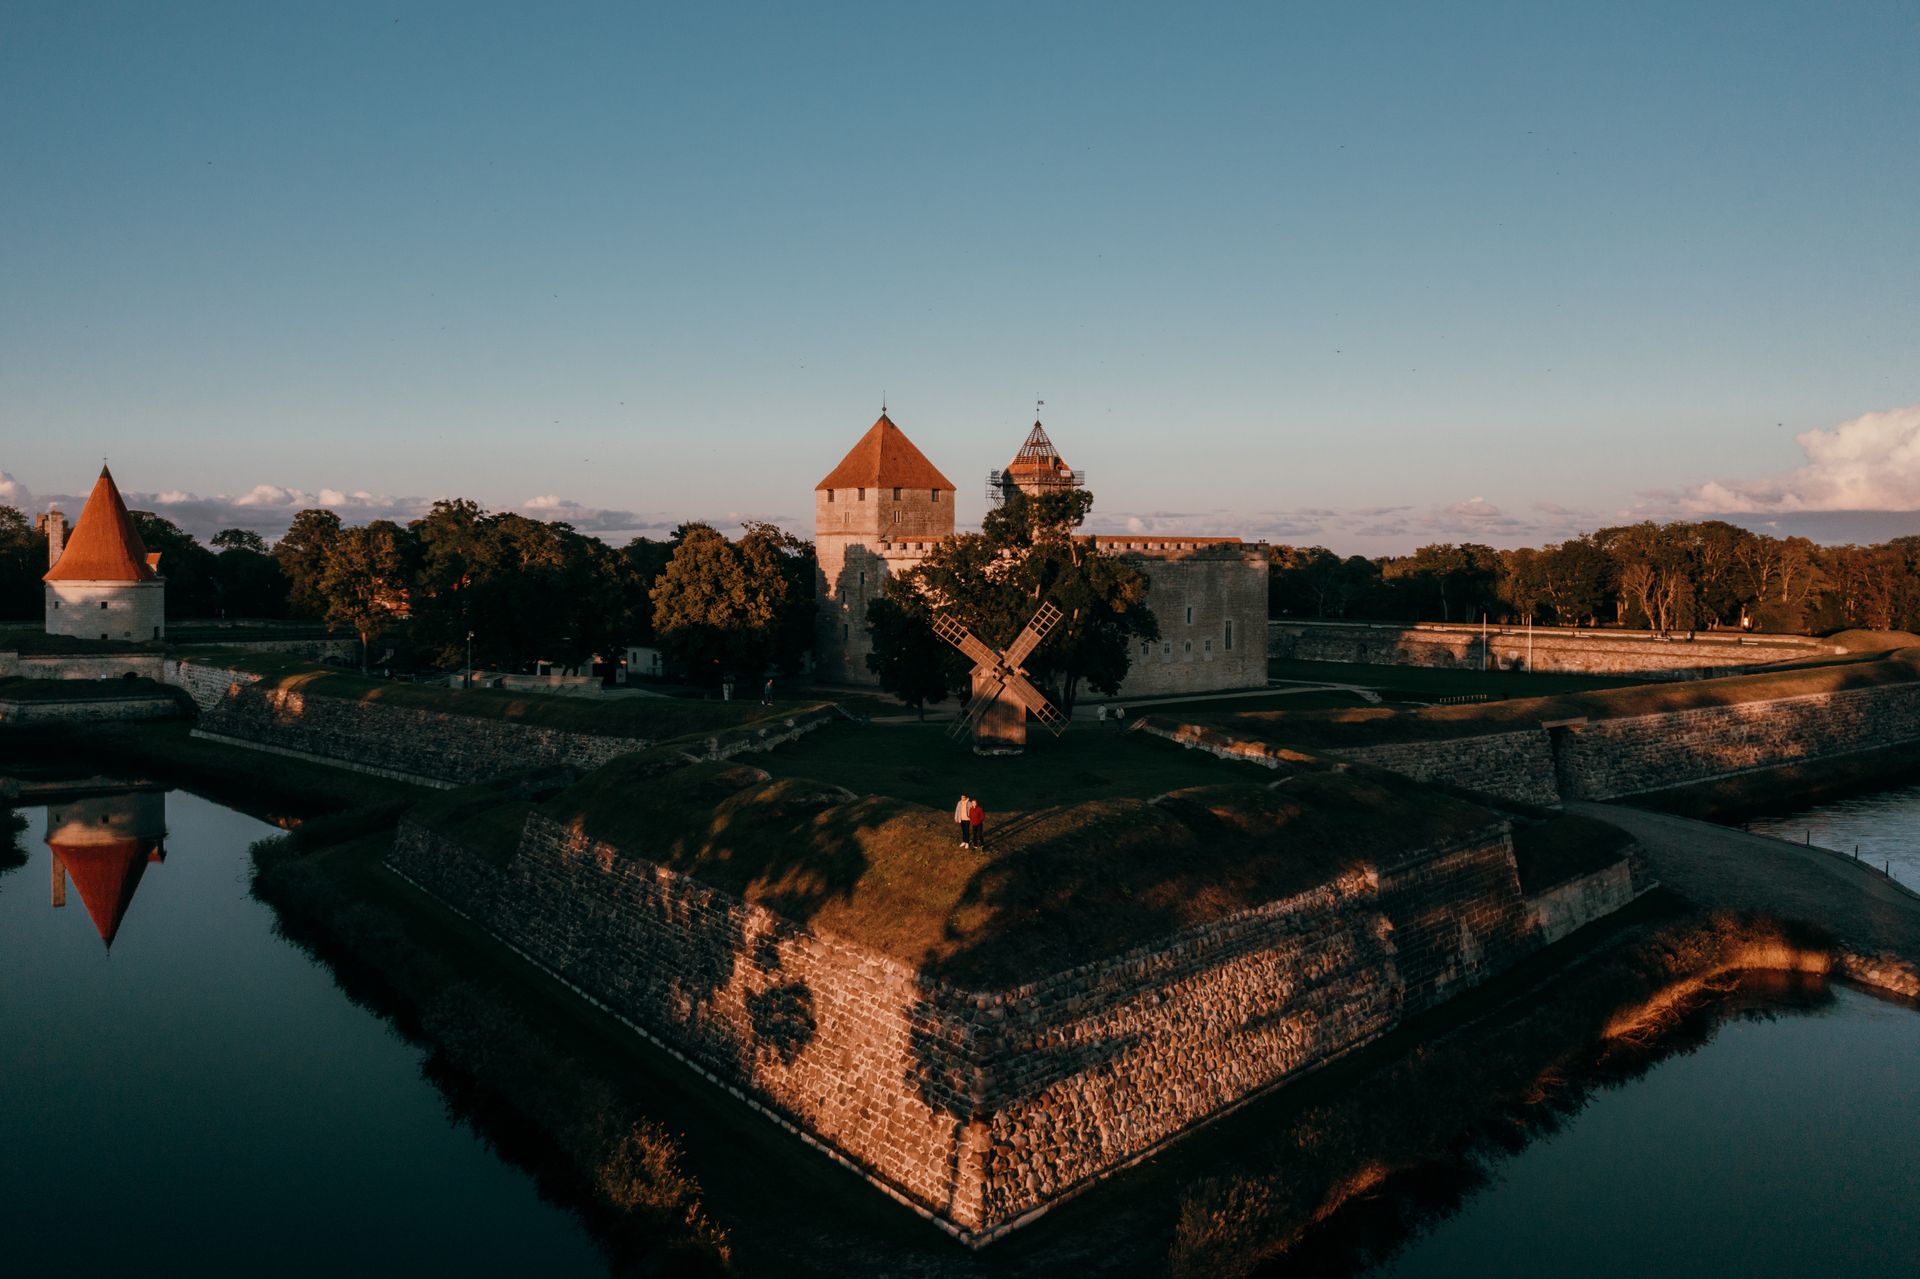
point(1636, 653)
point(434, 747)
point(78, 666)
point(1610, 758)
point(82, 709)
point(982, 1109)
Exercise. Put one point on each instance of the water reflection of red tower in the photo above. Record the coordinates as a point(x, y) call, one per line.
point(104, 843)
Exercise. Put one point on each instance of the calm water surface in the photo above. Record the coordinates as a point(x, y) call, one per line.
point(1788, 1145)
point(1883, 825)
point(201, 1097)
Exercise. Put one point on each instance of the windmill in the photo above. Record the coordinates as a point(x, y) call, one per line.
point(1002, 697)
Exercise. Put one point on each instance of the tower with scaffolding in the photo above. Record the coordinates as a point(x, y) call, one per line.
point(1036, 470)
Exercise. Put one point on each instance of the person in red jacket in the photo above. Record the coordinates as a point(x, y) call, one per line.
point(977, 818)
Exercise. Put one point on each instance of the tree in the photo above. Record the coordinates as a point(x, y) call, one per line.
point(364, 582)
point(721, 608)
point(193, 588)
point(908, 659)
point(23, 558)
point(1028, 550)
point(239, 539)
point(302, 552)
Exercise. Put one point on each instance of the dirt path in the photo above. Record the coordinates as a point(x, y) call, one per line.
point(1720, 868)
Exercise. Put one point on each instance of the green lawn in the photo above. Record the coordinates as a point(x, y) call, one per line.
point(1431, 683)
point(921, 764)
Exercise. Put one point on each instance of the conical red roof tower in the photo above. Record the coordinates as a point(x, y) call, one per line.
point(104, 545)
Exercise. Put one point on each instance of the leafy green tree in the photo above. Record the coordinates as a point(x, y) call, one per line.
point(192, 586)
point(364, 582)
point(722, 608)
point(23, 559)
point(1029, 550)
point(908, 659)
point(302, 553)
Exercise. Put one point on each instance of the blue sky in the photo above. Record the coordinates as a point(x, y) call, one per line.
point(1368, 275)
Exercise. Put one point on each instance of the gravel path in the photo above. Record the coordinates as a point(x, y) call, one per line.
point(1719, 868)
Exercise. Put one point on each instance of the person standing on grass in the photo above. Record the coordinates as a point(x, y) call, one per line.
point(977, 819)
point(961, 815)
point(766, 692)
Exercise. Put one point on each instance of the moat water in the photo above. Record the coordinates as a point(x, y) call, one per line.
point(1882, 827)
point(201, 1096)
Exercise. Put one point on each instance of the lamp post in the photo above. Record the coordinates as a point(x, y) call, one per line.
point(468, 685)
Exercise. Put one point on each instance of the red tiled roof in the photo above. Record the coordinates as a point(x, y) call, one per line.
point(885, 458)
point(106, 874)
point(104, 545)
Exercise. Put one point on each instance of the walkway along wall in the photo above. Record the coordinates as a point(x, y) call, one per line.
point(1637, 653)
point(982, 1109)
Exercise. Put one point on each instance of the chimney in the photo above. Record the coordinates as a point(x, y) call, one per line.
point(59, 882)
point(54, 525)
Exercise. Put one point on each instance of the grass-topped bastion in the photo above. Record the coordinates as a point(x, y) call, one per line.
point(450, 736)
point(1604, 743)
point(1151, 936)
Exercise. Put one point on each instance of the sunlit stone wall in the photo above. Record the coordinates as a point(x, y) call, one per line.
point(1590, 652)
point(980, 1109)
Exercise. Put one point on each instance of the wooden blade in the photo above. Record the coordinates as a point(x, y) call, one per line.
point(1036, 703)
point(963, 639)
point(1043, 622)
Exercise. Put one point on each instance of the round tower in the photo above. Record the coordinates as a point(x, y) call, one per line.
point(105, 584)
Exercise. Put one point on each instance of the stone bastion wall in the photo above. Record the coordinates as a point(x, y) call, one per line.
point(982, 1109)
point(417, 745)
point(1608, 758)
point(1637, 653)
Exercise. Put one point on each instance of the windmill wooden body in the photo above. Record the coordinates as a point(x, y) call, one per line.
point(1002, 697)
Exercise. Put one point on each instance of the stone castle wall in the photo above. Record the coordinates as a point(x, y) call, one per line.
point(1636, 653)
point(82, 666)
point(1211, 602)
point(981, 1109)
point(1609, 758)
point(83, 709)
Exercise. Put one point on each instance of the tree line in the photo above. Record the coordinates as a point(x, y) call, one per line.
point(525, 590)
point(1673, 577)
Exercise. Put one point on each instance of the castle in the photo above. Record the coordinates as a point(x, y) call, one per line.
point(102, 582)
point(885, 506)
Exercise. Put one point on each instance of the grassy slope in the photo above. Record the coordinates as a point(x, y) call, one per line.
point(654, 718)
point(14, 688)
point(1062, 882)
point(1331, 730)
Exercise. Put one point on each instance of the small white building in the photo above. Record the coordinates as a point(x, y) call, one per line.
point(102, 583)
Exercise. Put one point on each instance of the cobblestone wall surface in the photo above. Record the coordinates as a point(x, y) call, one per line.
point(83, 710)
point(81, 665)
point(981, 1109)
point(1592, 652)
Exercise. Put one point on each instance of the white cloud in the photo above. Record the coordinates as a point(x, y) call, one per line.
point(1871, 463)
point(15, 494)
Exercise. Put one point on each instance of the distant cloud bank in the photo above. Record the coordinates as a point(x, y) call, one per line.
point(1871, 463)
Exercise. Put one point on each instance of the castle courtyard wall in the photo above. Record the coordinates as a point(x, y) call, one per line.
point(123, 611)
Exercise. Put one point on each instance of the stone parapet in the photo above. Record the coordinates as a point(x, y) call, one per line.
point(1592, 652)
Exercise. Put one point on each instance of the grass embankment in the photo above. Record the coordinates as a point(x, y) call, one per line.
point(652, 718)
point(37, 643)
point(15, 688)
point(549, 1078)
point(1074, 871)
point(1330, 730)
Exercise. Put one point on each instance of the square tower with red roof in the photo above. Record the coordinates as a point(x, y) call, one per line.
point(878, 512)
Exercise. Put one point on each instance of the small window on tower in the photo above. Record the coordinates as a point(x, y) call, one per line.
point(933, 495)
point(1229, 637)
point(103, 605)
point(863, 577)
point(829, 495)
point(896, 495)
point(863, 495)
point(1189, 615)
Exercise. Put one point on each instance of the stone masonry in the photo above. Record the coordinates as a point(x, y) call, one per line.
point(982, 1109)
point(1636, 653)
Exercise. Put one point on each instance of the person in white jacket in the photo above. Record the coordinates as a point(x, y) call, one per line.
point(962, 813)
